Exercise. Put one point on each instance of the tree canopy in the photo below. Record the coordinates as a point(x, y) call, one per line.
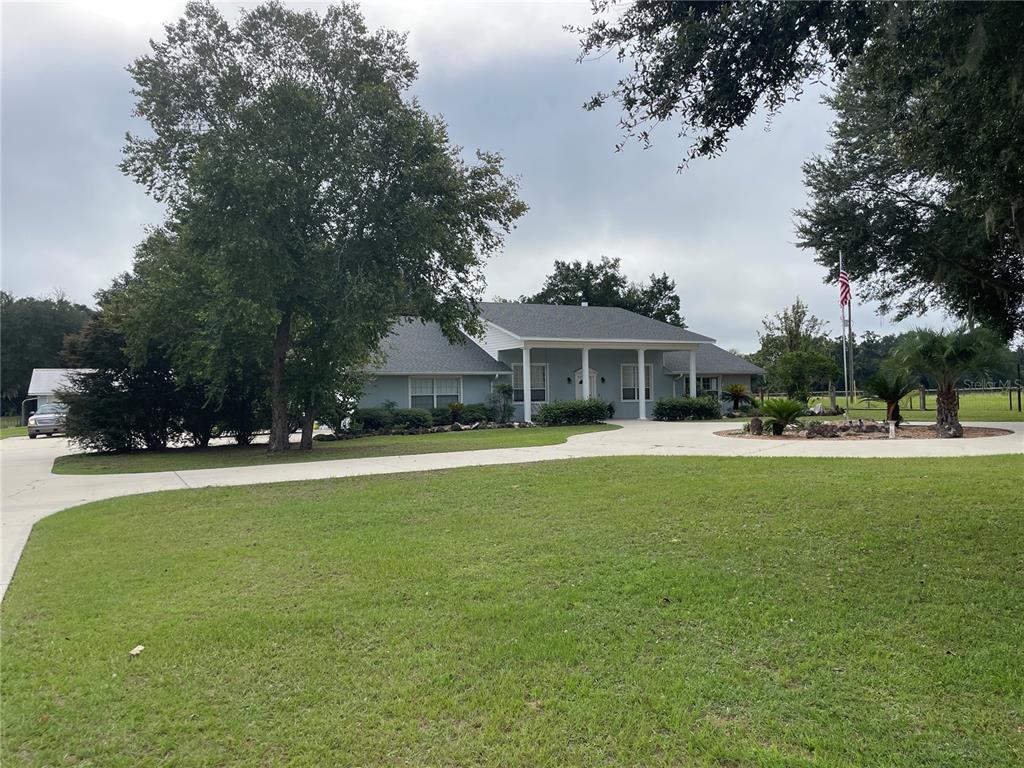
point(33, 337)
point(603, 284)
point(311, 202)
point(923, 186)
point(796, 351)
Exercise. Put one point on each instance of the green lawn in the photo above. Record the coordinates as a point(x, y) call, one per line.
point(13, 432)
point(974, 406)
point(360, 448)
point(615, 612)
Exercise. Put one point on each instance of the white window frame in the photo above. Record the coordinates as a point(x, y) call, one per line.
point(547, 382)
point(433, 388)
point(648, 382)
point(684, 383)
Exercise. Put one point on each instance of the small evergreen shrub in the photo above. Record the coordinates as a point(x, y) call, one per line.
point(411, 418)
point(456, 409)
point(373, 419)
point(687, 408)
point(571, 412)
point(477, 412)
point(441, 415)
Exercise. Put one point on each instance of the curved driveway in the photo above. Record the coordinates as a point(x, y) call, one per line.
point(30, 492)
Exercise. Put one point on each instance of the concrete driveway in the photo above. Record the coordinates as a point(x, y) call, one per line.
point(30, 492)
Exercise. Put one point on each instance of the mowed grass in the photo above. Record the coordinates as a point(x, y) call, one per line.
point(13, 432)
point(359, 448)
point(623, 612)
point(974, 406)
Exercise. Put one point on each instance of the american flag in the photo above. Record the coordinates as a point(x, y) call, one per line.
point(844, 287)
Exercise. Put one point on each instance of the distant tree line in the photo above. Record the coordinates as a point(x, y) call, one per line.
point(800, 354)
point(33, 333)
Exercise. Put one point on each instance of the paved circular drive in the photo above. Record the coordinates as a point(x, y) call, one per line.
point(30, 491)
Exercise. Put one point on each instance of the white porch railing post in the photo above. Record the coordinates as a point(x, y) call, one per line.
point(586, 373)
point(641, 375)
point(527, 404)
point(693, 372)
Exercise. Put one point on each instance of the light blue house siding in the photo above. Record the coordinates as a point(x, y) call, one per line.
point(383, 388)
point(607, 366)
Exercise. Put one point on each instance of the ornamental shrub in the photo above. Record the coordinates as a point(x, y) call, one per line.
point(441, 415)
point(477, 412)
point(687, 408)
point(411, 418)
point(373, 419)
point(569, 412)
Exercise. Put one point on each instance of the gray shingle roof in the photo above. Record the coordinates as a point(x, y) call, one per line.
point(418, 347)
point(568, 321)
point(710, 359)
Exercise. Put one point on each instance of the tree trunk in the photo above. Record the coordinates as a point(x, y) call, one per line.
point(947, 423)
point(306, 441)
point(278, 399)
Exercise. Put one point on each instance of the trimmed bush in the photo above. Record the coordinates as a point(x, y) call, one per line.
point(687, 408)
point(411, 418)
point(373, 419)
point(571, 412)
point(477, 412)
point(441, 415)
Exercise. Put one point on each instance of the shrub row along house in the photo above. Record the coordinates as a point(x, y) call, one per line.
point(553, 352)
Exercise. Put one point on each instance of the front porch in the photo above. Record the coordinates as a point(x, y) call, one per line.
point(630, 377)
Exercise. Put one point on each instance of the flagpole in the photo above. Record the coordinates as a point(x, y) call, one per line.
point(849, 326)
point(846, 376)
point(842, 325)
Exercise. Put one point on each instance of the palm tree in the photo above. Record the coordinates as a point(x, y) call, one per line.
point(738, 394)
point(890, 388)
point(945, 358)
point(779, 412)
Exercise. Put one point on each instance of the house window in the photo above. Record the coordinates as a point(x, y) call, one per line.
point(705, 384)
point(538, 382)
point(430, 392)
point(630, 384)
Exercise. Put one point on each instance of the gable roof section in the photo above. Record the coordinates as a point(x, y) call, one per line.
point(710, 359)
point(46, 381)
point(571, 322)
point(415, 346)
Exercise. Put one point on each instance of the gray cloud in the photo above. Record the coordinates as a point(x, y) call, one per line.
point(504, 77)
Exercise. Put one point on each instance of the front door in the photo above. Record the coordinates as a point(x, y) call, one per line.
point(579, 383)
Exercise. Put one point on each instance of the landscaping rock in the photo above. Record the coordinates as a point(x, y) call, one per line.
point(456, 427)
point(756, 426)
point(825, 429)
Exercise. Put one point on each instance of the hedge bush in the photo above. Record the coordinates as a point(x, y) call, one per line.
point(570, 412)
point(411, 418)
point(477, 412)
point(372, 419)
point(686, 408)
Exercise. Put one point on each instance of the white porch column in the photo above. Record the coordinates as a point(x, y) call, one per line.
point(527, 405)
point(641, 375)
point(586, 373)
point(693, 373)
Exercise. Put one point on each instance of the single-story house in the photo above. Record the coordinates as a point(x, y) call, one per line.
point(543, 350)
point(45, 383)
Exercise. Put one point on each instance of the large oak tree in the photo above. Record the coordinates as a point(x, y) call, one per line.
point(308, 196)
point(923, 189)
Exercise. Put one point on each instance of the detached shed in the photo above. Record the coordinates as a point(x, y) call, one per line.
point(46, 382)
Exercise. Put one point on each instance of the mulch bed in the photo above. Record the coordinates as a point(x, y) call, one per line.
point(906, 432)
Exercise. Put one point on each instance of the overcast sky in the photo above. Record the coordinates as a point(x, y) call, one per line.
point(504, 77)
